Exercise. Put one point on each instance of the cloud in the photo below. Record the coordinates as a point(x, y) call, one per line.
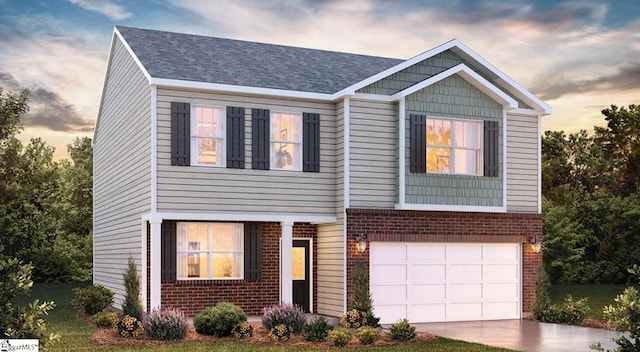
point(48, 109)
point(109, 9)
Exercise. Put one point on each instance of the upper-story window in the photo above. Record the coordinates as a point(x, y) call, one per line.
point(208, 136)
point(286, 141)
point(210, 250)
point(454, 146)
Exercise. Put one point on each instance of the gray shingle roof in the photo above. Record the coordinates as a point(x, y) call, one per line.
point(226, 61)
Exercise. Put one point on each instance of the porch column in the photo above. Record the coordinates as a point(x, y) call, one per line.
point(156, 261)
point(286, 280)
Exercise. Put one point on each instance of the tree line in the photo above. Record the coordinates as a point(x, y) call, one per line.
point(45, 205)
point(591, 200)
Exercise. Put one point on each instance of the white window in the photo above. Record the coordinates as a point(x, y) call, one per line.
point(210, 250)
point(286, 141)
point(454, 146)
point(208, 136)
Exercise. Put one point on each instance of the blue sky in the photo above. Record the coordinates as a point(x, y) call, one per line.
point(579, 56)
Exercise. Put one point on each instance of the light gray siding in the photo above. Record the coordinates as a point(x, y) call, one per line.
point(215, 189)
point(122, 182)
point(453, 97)
point(374, 154)
point(522, 163)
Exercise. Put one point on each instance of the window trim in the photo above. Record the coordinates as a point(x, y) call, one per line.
point(300, 144)
point(452, 147)
point(209, 252)
point(194, 137)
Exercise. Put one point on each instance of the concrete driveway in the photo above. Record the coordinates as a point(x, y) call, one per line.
point(523, 335)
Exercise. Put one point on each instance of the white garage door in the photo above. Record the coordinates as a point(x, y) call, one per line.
point(432, 282)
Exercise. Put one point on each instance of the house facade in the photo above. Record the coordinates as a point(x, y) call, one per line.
point(255, 173)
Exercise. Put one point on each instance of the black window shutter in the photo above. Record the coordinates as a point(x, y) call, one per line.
point(260, 128)
point(310, 142)
point(252, 251)
point(168, 250)
point(491, 153)
point(235, 137)
point(418, 143)
point(180, 134)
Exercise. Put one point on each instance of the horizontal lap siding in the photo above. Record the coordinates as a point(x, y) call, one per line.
point(199, 189)
point(373, 154)
point(122, 181)
point(522, 163)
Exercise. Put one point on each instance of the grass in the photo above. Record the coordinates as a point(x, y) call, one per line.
point(75, 332)
point(599, 295)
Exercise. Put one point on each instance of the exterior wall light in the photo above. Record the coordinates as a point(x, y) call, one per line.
point(361, 244)
point(536, 246)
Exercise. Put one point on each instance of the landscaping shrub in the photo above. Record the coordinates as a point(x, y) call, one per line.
point(542, 300)
point(402, 330)
point(317, 330)
point(361, 297)
point(92, 299)
point(131, 305)
point(339, 337)
point(569, 312)
point(367, 335)
point(281, 333)
point(129, 326)
point(284, 313)
point(219, 320)
point(354, 319)
point(243, 330)
point(105, 319)
point(165, 324)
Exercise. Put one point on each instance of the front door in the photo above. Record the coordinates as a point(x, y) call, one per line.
point(301, 273)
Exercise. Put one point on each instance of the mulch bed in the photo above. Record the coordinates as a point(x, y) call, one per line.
point(260, 337)
point(587, 323)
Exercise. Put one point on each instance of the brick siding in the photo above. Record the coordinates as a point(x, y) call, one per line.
point(440, 226)
point(194, 295)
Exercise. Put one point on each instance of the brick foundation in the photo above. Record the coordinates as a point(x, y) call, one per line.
point(434, 226)
point(191, 296)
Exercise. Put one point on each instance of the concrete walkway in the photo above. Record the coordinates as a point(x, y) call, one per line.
point(523, 335)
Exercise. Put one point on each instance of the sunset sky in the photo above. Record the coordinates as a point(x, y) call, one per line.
point(578, 56)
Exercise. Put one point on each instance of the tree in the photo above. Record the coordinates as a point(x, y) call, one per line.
point(361, 297)
point(12, 107)
point(131, 305)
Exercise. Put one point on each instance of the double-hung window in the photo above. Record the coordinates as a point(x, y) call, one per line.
point(454, 146)
point(286, 141)
point(210, 250)
point(208, 136)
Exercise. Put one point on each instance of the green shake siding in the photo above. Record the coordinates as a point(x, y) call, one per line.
point(453, 97)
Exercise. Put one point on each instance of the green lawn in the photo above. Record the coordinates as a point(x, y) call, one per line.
point(599, 295)
point(75, 332)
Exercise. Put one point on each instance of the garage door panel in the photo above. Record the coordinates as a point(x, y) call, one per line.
point(502, 290)
point(501, 272)
point(465, 292)
point(427, 312)
point(428, 272)
point(464, 272)
point(421, 253)
point(385, 273)
point(427, 292)
point(390, 293)
point(429, 282)
point(464, 252)
point(390, 253)
point(501, 310)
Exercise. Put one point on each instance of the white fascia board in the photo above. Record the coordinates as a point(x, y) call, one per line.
point(397, 68)
point(461, 208)
point(314, 219)
point(133, 55)
point(468, 75)
point(176, 83)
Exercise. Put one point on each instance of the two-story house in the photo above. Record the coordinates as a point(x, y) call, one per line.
point(256, 173)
